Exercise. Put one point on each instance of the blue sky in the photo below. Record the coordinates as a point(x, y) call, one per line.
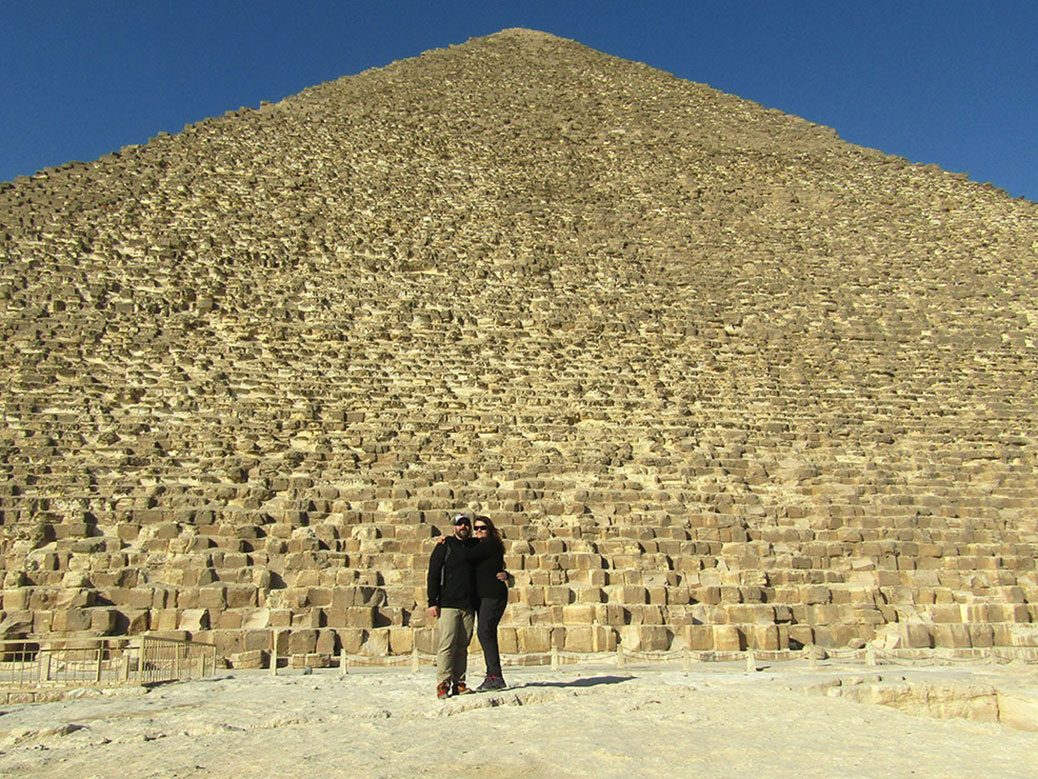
point(952, 82)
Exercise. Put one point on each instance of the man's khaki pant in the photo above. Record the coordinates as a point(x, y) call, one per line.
point(452, 654)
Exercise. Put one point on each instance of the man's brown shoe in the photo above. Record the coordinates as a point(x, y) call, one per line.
point(462, 689)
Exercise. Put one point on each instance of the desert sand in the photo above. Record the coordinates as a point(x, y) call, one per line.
point(781, 720)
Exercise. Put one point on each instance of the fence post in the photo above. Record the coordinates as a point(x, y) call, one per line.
point(100, 662)
point(621, 661)
point(751, 661)
point(44, 659)
point(554, 658)
point(140, 660)
point(273, 653)
point(870, 654)
point(344, 663)
point(686, 660)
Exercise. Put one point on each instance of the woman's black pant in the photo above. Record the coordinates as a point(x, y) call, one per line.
point(490, 612)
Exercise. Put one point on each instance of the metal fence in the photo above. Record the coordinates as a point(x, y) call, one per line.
point(102, 662)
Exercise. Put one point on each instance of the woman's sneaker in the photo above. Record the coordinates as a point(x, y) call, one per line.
point(491, 683)
point(443, 690)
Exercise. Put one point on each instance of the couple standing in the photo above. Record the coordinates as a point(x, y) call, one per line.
point(466, 575)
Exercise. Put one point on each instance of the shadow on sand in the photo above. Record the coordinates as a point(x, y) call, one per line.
point(592, 681)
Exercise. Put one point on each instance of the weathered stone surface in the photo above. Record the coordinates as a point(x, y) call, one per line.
point(722, 379)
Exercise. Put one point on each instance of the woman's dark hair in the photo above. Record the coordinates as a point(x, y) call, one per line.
point(492, 532)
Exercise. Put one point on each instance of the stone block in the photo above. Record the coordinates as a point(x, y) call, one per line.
point(727, 638)
point(508, 640)
point(579, 638)
point(164, 619)
point(578, 615)
point(981, 635)
point(915, 636)
point(227, 620)
point(645, 638)
point(376, 642)
point(193, 620)
point(71, 620)
point(534, 639)
point(327, 643)
point(952, 636)
point(255, 640)
point(103, 620)
point(250, 659)
point(765, 637)
point(699, 638)
point(16, 599)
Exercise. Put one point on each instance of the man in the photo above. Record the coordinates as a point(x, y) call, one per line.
point(452, 601)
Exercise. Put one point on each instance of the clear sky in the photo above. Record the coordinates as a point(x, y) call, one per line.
point(953, 82)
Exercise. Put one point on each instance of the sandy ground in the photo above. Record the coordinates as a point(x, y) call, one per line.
point(785, 719)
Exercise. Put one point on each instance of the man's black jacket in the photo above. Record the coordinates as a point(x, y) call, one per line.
point(452, 578)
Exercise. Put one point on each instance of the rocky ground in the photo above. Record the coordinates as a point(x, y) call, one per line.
point(648, 720)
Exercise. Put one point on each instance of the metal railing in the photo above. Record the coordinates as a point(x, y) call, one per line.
point(102, 662)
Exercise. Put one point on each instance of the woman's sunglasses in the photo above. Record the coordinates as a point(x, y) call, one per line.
point(480, 527)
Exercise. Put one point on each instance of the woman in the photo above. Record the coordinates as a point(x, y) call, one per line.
point(488, 557)
point(488, 561)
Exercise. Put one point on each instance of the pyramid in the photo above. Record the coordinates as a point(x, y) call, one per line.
point(722, 380)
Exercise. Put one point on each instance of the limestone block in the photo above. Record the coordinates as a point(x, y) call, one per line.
point(588, 594)
point(557, 596)
point(534, 639)
point(212, 597)
point(579, 638)
point(508, 640)
point(376, 642)
point(699, 638)
point(42, 621)
point(645, 638)
point(103, 620)
point(804, 635)
point(401, 640)
point(193, 620)
point(301, 641)
point(646, 615)
point(255, 619)
point(610, 614)
point(915, 636)
point(319, 596)
point(360, 617)
point(227, 619)
point(164, 619)
point(71, 620)
point(306, 618)
point(727, 638)
point(981, 635)
point(250, 659)
point(16, 599)
point(764, 637)
point(578, 615)
point(710, 595)
point(955, 636)
point(950, 612)
point(327, 643)
point(254, 640)
point(228, 642)
point(79, 597)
